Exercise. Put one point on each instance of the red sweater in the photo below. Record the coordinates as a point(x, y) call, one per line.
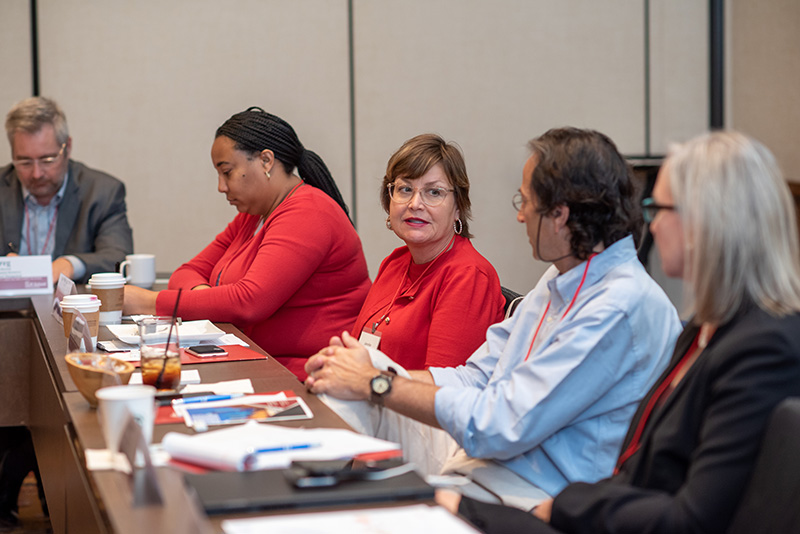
point(440, 320)
point(301, 279)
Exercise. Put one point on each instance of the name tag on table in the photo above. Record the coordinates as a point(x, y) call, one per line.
point(25, 275)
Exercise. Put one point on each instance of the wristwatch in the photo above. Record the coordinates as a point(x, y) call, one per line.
point(380, 386)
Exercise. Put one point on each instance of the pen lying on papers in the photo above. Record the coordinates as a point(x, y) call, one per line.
point(207, 398)
point(282, 448)
point(250, 460)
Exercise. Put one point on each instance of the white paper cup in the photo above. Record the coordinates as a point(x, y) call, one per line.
point(110, 289)
point(114, 402)
point(139, 270)
point(90, 310)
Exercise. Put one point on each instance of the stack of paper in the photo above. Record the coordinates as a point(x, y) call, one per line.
point(255, 446)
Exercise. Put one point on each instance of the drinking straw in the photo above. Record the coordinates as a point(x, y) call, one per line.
point(169, 337)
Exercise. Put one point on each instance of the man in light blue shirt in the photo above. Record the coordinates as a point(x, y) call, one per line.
point(547, 399)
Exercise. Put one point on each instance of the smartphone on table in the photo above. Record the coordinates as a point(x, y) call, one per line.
point(206, 350)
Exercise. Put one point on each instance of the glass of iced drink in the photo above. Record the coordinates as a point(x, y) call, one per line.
point(160, 351)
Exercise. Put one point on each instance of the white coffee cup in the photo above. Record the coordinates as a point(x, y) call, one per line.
point(141, 270)
point(89, 306)
point(115, 401)
point(110, 289)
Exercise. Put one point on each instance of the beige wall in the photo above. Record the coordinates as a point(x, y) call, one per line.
point(15, 60)
point(145, 84)
point(764, 88)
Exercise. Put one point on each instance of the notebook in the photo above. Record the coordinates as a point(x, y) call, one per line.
point(225, 492)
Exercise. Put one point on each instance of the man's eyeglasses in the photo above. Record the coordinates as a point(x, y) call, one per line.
point(650, 209)
point(46, 162)
point(431, 196)
point(517, 201)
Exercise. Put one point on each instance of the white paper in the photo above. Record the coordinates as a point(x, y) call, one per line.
point(399, 519)
point(189, 376)
point(105, 460)
point(26, 275)
point(243, 385)
point(230, 448)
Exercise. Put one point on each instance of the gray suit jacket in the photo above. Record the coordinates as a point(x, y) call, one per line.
point(92, 219)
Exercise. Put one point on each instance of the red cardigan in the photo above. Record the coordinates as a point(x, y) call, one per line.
point(301, 279)
point(441, 320)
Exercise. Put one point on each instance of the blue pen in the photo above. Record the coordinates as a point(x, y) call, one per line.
point(250, 461)
point(207, 398)
point(286, 448)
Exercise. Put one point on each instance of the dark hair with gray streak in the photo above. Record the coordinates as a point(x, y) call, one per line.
point(583, 170)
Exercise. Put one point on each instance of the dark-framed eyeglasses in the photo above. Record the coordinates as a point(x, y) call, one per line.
point(650, 209)
point(46, 162)
point(431, 196)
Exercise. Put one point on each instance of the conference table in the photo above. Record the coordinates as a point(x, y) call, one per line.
point(36, 390)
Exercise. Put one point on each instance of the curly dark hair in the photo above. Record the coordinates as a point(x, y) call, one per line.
point(583, 170)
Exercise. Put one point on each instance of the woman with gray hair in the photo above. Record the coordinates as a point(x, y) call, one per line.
point(723, 220)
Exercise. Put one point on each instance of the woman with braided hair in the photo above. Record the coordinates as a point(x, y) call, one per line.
point(289, 270)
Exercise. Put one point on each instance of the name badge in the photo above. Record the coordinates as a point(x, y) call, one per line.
point(26, 275)
point(370, 340)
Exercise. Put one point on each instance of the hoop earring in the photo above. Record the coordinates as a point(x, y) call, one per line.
point(388, 224)
point(458, 226)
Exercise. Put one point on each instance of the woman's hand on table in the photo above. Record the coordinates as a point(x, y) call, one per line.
point(343, 369)
point(139, 301)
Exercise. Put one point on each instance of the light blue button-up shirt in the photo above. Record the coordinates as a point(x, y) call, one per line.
point(42, 229)
point(561, 416)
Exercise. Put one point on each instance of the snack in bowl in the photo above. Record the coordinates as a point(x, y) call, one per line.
point(91, 371)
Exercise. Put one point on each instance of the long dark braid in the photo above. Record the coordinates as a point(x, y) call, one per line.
point(254, 130)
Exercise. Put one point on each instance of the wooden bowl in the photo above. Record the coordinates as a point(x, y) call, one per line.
point(91, 371)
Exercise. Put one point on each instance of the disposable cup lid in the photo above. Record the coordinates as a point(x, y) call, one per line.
point(106, 284)
point(69, 299)
point(106, 277)
point(82, 306)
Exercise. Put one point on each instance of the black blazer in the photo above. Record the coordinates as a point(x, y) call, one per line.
point(698, 448)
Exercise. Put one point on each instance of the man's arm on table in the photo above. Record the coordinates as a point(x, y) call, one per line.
point(344, 370)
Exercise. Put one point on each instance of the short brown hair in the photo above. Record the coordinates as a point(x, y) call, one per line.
point(416, 157)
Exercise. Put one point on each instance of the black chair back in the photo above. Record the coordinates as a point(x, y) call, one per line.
point(771, 503)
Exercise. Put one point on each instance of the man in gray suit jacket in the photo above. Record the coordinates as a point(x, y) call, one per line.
point(52, 205)
point(58, 207)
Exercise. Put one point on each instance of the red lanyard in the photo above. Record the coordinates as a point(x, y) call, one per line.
point(28, 231)
point(402, 281)
point(574, 298)
point(634, 444)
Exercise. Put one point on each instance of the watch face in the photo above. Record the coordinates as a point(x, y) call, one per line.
point(380, 385)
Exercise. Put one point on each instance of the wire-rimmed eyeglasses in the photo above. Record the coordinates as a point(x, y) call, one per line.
point(431, 196)
point(650, 209)
point(517, 201)
point(45, 162)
